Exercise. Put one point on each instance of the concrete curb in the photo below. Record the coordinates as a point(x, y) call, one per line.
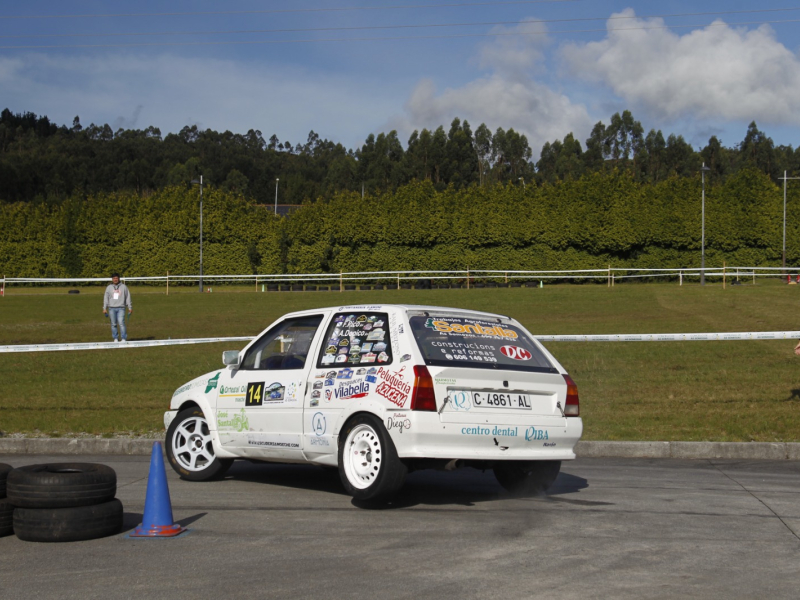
point(587, 449)
point(691, 450)
point(77, 446)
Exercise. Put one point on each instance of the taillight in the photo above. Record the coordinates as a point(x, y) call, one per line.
point(573, 407)
point(422, 396)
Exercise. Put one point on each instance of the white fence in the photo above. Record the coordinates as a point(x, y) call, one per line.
point(465, 277)
point(622, 337)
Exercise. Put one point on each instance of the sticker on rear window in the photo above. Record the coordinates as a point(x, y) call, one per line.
point(477, 343)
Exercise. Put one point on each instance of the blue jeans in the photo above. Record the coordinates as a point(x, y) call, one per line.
point(117, 316)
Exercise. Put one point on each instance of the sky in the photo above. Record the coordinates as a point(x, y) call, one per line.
point(348, 68)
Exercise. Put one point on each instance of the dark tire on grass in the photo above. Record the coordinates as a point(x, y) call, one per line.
point(68, 524)
point(527, 477)
point(61, 485)
point(6, 518)
point(4, 471)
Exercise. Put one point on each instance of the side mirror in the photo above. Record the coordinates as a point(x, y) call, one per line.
point(230, 357)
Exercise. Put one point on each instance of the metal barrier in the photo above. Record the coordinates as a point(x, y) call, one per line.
point(623, 337)
point(396, 278)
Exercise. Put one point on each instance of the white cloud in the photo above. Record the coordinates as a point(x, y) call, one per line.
point(716, 72)
point(516, 50)
point(171, 92)
point(508, 97)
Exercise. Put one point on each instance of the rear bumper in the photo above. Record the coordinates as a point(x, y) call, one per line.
point(428, 437)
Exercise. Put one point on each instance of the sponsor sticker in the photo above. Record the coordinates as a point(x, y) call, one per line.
point(319, 424)
point(350, 391)
point(516, 352)
point(212, 383)
point(393, 386)
point(275, 392)
point(266, 440)
point(468, 326)
point(400, 424)
point(227, 421)
point(497, 431)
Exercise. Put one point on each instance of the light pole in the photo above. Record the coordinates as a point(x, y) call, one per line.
point(276, 196)
point(783, 251)
point(200, 181)
point(522, 179)
point(703, 170)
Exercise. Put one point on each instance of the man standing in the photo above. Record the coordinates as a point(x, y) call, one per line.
point(116, 298)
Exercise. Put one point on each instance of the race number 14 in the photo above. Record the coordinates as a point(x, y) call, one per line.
point(255, 394)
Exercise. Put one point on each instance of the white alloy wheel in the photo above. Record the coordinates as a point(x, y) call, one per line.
point(362, 456)
point(191, 444)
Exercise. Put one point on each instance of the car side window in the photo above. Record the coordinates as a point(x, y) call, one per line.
point(283, 347)
point(356, 339)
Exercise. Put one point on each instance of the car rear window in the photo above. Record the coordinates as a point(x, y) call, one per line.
point(356, 339)
point(446, 340)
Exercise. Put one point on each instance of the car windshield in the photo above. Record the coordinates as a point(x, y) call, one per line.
point(447, 340)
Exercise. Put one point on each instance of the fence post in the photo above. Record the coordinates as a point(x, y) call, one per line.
point(680, 278)
point(398, 281)
point(467, 277)
point(723, 274)
point(609, 276)
point(341, 282)
point(256, 284)
point(167, 283)
point(754, 276)
point(737, 273)
point(506, 277)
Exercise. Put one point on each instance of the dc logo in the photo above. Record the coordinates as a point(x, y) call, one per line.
point(516, 352)
point(318, 423)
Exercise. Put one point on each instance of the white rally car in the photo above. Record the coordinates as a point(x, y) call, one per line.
point(379, 391)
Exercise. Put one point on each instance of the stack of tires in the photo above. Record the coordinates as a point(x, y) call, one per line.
point(63, 502)
point(6, 508)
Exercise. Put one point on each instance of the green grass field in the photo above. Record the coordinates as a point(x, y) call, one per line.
point(723, 391)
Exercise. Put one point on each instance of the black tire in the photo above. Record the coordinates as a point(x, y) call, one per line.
point(4, 471)
point(379, 473)
point(6, 518)
point(189, 448)
point(61, 485)
point(527, 477)
point(68, 524)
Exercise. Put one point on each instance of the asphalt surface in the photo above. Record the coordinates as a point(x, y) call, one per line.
point(609, 528)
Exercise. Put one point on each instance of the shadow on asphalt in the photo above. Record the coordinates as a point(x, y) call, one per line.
point(463, 487)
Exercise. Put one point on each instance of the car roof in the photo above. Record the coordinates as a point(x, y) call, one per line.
point(402, 307)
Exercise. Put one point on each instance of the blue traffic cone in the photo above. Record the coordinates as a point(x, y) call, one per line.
point(157, 520)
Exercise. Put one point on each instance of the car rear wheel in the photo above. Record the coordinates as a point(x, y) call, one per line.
point(368, 463)
point(527, 477)
point(190, 450)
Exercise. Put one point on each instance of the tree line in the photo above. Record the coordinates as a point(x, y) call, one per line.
point(41, 161)
point(599, 219)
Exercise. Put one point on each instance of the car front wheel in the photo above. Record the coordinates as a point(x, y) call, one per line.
point(527, 477)
point(190, 450)
point(368, 463)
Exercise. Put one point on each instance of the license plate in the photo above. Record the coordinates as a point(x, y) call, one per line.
point(499, 400)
